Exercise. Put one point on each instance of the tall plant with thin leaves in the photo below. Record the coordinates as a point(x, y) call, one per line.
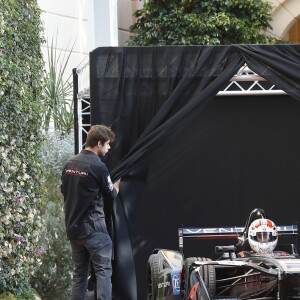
point(58, 90)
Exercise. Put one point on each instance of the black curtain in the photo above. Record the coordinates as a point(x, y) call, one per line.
point(186, 156)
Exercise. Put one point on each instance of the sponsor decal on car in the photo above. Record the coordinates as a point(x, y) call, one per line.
point(163, 284)
point(176, 282)
point(227, 230)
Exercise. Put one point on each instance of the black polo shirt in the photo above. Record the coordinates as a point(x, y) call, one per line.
point(86, 184)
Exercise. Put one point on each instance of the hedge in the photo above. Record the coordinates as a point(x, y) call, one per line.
point(21, 73)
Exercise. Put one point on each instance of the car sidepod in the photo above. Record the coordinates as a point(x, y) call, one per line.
point(164, 276)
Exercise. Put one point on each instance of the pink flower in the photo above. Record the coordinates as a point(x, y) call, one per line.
point(20, 239)
point(38, 251)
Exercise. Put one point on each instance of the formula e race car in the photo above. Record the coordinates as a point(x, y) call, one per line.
point(250, 269)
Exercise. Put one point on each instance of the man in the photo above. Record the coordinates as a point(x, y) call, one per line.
point(86, 186)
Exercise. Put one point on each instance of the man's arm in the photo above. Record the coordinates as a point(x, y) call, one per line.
point(108, 189)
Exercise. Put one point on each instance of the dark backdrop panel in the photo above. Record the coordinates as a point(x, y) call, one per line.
point(242, 153)
point(184, 155)
point(129, 86)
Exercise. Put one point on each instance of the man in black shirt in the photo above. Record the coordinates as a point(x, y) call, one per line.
point(86, 185)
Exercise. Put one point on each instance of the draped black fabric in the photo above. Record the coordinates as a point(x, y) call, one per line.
point(186, 156)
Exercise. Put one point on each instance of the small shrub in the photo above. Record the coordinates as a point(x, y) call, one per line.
point(53, 278)
point(7, 296)
point(28, 294)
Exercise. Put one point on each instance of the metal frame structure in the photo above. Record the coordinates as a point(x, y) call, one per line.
point(82, 107)
point(247, 83)
point(244, 83)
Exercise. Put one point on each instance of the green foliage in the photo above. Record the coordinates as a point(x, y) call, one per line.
point(7, 296)
point(21, 68)
point(58, 91)
point(53, 279)
point(27, 294)
point(201, 22)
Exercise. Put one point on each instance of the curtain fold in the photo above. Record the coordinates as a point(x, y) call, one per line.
point(277, 64)
point(211, 70)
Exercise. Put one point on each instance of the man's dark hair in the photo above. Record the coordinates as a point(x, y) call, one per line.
point(99, 133)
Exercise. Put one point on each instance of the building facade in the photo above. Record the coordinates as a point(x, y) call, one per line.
point(80, 25)
point(88, 24)
point(286, 22)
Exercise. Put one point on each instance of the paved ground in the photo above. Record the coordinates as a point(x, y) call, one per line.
point(89, 296)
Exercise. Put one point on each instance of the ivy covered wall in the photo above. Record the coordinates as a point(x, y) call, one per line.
point(21, 71)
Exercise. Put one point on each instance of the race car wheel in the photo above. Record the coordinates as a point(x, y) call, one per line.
point(152, 277)
point(207, 273)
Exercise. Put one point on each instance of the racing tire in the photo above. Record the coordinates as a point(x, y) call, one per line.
point(153, 268)
point(208, 274)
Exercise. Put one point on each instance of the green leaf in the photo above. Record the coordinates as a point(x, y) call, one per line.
point(191, 18)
